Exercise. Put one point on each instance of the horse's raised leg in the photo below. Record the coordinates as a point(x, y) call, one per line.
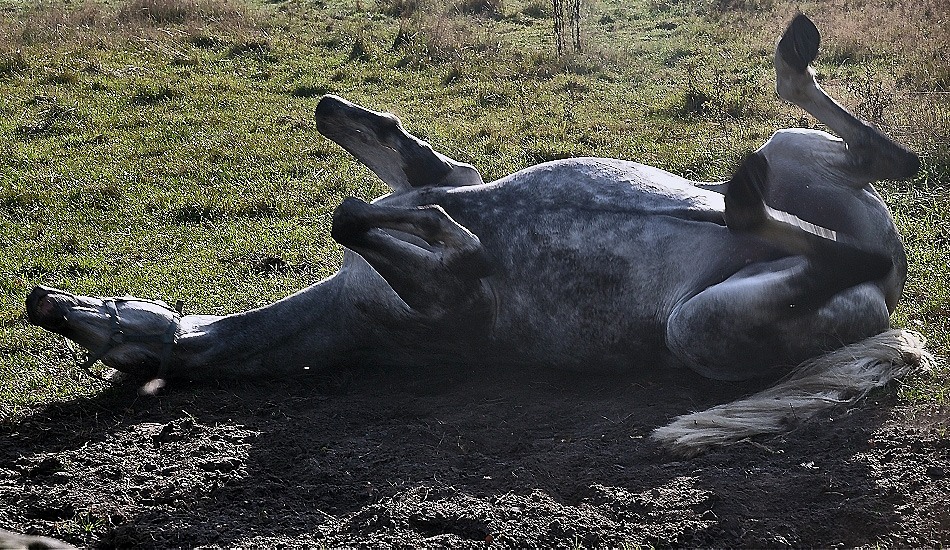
point(868, 154)
point(781, 312)
point(434, 264)
point(379, 141)
point(836, 260)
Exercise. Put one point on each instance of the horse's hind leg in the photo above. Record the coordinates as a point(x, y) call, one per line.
point(755, 324)
point(779, 313)
point(835, 261)
point(434, 264)
point(870, 155)
point(379, 141)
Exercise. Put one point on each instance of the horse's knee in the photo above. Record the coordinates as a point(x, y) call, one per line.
point(431, 261)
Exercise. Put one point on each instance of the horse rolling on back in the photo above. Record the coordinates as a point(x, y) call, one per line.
point(792, 266)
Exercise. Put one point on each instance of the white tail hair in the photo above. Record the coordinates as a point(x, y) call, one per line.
point(840, 377)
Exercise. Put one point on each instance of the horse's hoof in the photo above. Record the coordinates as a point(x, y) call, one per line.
point(799, 45)
point(349, 221)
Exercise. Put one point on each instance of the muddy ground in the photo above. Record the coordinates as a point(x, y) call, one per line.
point(469, 459)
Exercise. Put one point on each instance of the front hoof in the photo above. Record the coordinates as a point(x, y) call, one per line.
point(349, 221)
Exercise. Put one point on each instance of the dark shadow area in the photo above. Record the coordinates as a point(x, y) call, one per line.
point(435, 457)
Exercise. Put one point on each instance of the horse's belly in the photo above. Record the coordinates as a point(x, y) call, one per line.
point(596, 292)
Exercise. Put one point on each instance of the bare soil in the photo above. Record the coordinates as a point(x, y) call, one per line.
point(466, 459)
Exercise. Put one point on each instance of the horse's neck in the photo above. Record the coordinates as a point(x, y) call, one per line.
point(238, 342)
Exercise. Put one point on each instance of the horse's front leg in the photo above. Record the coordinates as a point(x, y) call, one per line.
point(434, 264)
point(379, 141)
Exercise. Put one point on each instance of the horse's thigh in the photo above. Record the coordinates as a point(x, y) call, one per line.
point(744, 327)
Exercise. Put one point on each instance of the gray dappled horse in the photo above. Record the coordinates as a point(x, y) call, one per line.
point(585, 263)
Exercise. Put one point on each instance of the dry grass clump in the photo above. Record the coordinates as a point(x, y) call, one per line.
point(54, 21)
point(399, 8)
point(59, 21)
point(12, 63)
point(486, 8)
point(427, 39)
point(181, 11)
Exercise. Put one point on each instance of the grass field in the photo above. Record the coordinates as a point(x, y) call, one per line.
point(166, 149)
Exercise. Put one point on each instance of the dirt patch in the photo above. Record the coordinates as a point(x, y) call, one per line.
point(464, 460)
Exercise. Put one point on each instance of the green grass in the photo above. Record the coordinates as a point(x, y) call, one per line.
point(166, 148)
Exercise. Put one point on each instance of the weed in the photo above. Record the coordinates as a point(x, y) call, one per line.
point(53, 119)
point(201, 39)
point(63, 77)
point(536, 9)
point(398, 8)
point(876, 100)
point(743, 5)
point(256, 48)
point(212, 210)
point(453, 75)
point(361, 49)
point(309, 90)
point(12, 63)
point(151, 93)
point(489, 8)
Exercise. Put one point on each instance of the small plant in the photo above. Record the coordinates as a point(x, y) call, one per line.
point(309, 90)
point(63, 77)
point(204, 40)
point(258, 48)
point(488, 8)
point(360, 50)
point(876, 100)
point(147, 95)
point(742, 5)
point(693, 101)
point(12, 63)
point(398, 8)
point(53, 119)
point(535, 9)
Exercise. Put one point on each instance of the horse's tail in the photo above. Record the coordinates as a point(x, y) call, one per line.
point(840, 377)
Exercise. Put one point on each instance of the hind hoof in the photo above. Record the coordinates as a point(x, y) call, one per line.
point(799, 45)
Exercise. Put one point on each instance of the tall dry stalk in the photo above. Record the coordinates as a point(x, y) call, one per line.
point(574, 9)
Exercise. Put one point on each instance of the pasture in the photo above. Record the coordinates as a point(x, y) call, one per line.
point(166, 149)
